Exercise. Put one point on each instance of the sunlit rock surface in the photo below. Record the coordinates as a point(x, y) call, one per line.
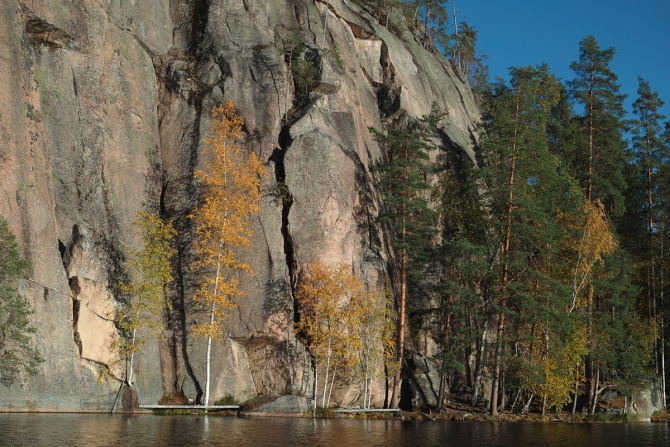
point(103, 108)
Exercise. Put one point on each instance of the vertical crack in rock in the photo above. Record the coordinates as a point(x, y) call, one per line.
point(180, 94)
point(71, 258)
point(277, 157)
point(74, 286)
point(62, 248)
point(199, 20)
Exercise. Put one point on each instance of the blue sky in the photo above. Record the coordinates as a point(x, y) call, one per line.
point(529, 32)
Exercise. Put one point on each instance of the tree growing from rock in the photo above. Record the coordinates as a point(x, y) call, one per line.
point(230, 184)
point(151, 271)
point(16, 352)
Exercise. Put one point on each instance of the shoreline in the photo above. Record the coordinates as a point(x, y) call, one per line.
point(454, 416)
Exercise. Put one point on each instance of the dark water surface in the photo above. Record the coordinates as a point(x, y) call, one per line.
point(146, 430)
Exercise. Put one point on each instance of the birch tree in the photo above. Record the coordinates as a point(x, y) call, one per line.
point(151, 271)
point(230, 184)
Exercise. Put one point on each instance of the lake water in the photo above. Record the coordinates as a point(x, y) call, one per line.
point(147, 430)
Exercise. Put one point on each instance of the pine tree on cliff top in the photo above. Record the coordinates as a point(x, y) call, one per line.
point(230, 185)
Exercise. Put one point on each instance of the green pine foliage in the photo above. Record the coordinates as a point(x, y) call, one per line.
point(16, 351)
point(599, 155)
point(402, 177)
point(535, 235)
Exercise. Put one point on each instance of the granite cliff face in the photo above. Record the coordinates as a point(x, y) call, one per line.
point(102, 112)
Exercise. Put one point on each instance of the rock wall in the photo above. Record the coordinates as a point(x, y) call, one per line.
point(102, 112)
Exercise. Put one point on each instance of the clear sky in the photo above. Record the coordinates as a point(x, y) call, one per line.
point(529, 32)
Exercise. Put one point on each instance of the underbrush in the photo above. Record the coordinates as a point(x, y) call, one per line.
point(615, 418)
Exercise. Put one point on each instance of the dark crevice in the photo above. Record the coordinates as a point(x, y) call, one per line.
point(178, 75)
point(200, 18)
point(183, 330)
point(76, 289)
point(42, 33)
point(277, 157)
point(308, 18)
point(62, 249)
point(183, 262)
point(405, 402)
point(388, 92)
point(161, 203)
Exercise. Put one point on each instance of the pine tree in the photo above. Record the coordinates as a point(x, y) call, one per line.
point(464, 255)
point(528, 191)
point(16, 352)
point(600, 156)
point(650, 155)
point(230, 185)
point(403, 183)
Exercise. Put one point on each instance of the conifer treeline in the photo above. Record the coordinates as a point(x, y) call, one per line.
point(552, 250)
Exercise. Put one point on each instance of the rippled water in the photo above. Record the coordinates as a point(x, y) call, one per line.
point(147, 430)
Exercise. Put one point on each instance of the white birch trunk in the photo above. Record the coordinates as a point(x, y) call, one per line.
point(332, 382)
point(325, 382)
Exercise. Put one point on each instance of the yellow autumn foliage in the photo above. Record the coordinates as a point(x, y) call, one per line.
point(230, 183)
point(344, 324)
point(552, 371)
point(149, 273)
point(597, 240)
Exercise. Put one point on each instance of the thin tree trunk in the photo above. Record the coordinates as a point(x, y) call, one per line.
point(365, 390)
point(453, 4)
point(332, 382)
point(590, 373)
point(516, 399)
point(589, 189)
point(325, 382)
point(662, 322)
point(574, 400)
point(443, 375)
point(526, 408)
point(211, 323)
point(425, 26)
point(480, 364)
point(395, 397)
point(316, 384)
point(505, 253)
point(594, 402)
point(129, 374)
point(209, 356)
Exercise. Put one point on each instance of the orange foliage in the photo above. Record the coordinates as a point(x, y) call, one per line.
point(231, 183)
